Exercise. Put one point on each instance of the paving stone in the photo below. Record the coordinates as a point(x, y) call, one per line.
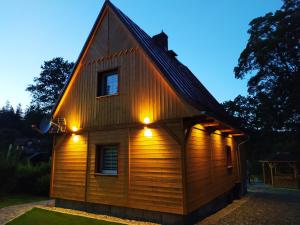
point(262, 206)
point(9, 213)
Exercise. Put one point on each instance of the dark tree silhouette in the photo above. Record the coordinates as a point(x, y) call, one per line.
point(244, 109)
point(272, 59)
point(33, 115)
point(48, 85)
point(9, 118)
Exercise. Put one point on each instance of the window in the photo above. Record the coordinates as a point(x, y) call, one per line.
point(107, 159)
point(108, 83)
point(228, 157)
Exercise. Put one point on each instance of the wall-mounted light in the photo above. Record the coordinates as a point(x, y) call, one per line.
point(147, 131)
point(146, 120)
point(74, 128)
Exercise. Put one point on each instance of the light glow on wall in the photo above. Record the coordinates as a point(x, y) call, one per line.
point(147, 132)
point(75, 138)
point(218, 132)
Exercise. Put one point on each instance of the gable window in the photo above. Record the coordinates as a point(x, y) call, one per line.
point(108, 83)
point(106, 159)
point(228, 157)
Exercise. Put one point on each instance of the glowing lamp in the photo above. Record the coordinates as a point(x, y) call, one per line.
point(75, 138)
point(74, 128)
point(147, 132)
point(146, 120)
point(230, 136)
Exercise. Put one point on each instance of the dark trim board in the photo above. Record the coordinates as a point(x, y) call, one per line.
point(153, 216)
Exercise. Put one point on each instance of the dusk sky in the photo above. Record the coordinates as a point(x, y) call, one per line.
point(208, 37)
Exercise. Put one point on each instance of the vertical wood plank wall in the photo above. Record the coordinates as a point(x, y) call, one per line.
point(69, 168)
point(143, 89)
point(143, 92)
point(106, 189)
point(207, 173)
point(155, 172)
point(149, 171)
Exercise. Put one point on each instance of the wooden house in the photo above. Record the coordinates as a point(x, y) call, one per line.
point(144, 139)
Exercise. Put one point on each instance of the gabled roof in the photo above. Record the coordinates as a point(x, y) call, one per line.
point(177, 74)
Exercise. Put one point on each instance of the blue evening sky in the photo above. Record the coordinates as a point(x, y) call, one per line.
point(208, 37)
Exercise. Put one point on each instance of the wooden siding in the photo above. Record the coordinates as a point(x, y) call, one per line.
point(143, 90)
point(155, 181)
point(149, 170)
point(107, 189)
point(207, 172)
point(69, 168)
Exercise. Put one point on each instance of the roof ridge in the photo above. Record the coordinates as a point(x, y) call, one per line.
point(178, 75)
point(193, 90)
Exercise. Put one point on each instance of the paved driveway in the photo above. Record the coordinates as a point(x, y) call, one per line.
point(262, 206)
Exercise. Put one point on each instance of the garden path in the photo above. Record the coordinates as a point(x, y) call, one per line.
point(9, 213)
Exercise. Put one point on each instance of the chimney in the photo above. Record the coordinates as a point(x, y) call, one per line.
point(161, 40)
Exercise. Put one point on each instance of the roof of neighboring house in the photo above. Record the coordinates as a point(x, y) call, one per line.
point(177, 74)
point(283, 157)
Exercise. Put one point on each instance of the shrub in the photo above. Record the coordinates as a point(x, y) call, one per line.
point(7, 172)
point(18, 176)
point(33, 179)
point(42, 185)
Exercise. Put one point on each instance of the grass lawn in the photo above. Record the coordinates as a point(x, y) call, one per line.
point(18, 199)
point(44, 217)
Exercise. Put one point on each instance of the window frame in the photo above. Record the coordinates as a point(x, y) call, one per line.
point(101, 77)
point(99, 163)
point(229, 162)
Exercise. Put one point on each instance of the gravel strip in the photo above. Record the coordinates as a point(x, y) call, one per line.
point(96, 216)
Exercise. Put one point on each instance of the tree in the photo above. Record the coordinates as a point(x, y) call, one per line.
point(244, 110)
point(9, 118)
point(47, 87)
point(10, 125)
point(33, 115)
point(272, 58)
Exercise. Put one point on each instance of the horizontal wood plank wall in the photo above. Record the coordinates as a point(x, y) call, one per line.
point(143, 90)
point(111, 190)
point(69, 168)
point(155, 181)
point(207, 172)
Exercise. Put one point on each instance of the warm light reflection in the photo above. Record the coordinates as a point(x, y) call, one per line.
point(75, 137)
point(199, 126)
point(147, 132)
point(230, 136)
point(146, 120)
point(218, 132)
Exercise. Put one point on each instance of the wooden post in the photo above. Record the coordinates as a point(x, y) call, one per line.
point(296, 176)
point(295, 170)
point(271, 170)
point(264, 173)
